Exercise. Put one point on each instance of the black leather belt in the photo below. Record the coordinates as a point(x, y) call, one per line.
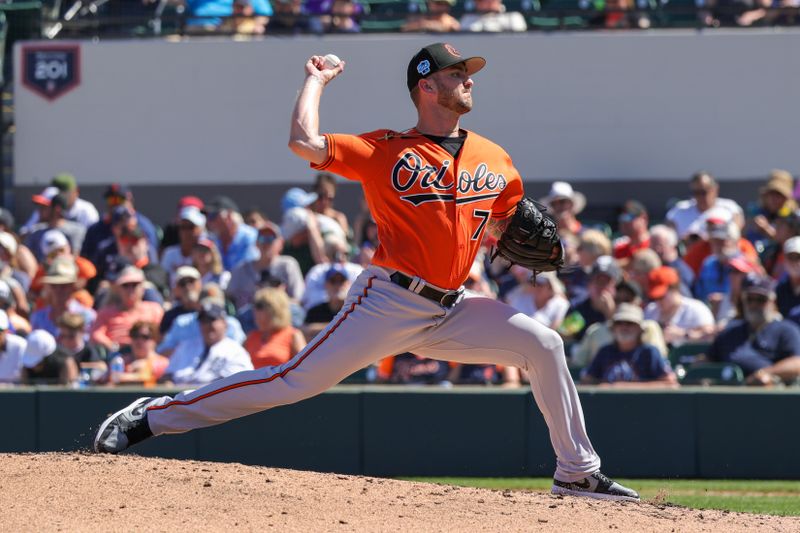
point(443, 298)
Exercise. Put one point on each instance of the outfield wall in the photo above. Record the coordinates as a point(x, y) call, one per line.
point(584, 106)
point(398, 431)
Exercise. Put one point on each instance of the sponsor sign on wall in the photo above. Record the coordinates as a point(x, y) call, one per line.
point(51, 70)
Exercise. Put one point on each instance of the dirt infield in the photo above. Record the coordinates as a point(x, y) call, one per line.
point(77, 492)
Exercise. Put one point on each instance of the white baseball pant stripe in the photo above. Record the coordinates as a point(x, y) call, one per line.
point(380, 318)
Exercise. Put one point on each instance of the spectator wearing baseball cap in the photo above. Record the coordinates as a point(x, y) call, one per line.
point(711, 221)
point(598, 305)
point(209, 356)
point(788, 289)
point(628, 359)
point(207, 259)
point(55, 245)
point(186, 290)
point(78, 210)
point(98, 235)
point(52, 218)
point(565, 203)
point(246, 277)
point(72, 337)
point(337, 249)
point(191, 226)
point(12, 348)
point(132, 247)
point(235, 240)
point(40, 201)
point(765, 345)
point(633, 221)
point(187, 326)
point(44, 363)
point(59, 288)
point(18, 279)
point(304, 232)
point(682, 319)
point(119, 313)
point(712, 280)
point(337, 283)
point(172, 229)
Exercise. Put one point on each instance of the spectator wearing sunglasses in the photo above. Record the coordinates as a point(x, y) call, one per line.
point(71, 339)
point(275, 340)
point(117, 195)
point(142, 364)
point(186, 292)
point(246, 277)
point(337, 283)
point(766, 346)
point(687, 215)
point(190, 227)
point(124, 308)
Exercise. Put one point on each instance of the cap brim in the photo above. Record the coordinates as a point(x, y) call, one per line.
point(58, 280)
point(657, 291)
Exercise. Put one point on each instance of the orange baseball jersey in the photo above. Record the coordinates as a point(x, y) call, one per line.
point(431, 211)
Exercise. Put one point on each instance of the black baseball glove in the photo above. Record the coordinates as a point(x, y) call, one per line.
point(531, 238)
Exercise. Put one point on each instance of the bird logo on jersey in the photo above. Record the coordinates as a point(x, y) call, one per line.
point(435, 184)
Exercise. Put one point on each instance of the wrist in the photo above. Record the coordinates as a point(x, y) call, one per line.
point(315, 80)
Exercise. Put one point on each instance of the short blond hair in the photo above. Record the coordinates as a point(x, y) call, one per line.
point(276, 302)
point(595, 242)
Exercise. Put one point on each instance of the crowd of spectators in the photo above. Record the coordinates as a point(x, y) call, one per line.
point(259, 17)
point(92, 297)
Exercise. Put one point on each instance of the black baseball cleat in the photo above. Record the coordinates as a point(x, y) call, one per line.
point(595, 486)
point(124, 428)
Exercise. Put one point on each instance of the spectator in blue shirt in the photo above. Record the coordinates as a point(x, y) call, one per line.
point(766, 346)
point(212, 11)
point(712, 281)
point(628, 360)
point(235, 239)
point(98, 234)
point(187, 326)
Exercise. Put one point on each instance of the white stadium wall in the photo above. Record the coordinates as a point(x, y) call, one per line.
point(582, 106)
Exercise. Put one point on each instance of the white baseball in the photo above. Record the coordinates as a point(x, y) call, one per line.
point(331, 60)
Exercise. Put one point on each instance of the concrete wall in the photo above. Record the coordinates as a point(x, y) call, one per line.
point(398, 431)
point(636, 106)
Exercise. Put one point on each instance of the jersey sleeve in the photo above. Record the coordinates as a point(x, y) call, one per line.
point(350, 156)
point(506, 203)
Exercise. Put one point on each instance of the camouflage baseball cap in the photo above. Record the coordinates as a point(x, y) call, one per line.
point(436, 57)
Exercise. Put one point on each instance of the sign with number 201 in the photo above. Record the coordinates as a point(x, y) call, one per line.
point(51, 71)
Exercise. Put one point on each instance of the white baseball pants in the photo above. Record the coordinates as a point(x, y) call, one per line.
point(379, 318)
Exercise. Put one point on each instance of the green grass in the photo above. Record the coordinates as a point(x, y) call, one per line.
point(765, 497)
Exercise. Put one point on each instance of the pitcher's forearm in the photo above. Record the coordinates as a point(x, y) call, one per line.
point(305, 139)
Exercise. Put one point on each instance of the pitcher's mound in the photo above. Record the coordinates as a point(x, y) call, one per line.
point(75, 492)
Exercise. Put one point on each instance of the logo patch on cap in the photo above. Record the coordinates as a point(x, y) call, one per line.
point(450, 48)
point(424, 67)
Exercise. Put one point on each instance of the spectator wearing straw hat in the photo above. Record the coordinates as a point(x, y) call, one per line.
point(566, 204)
point(775, 200)
point(628, 360)
point(59, 290)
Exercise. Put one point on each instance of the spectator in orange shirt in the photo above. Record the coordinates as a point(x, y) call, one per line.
point(274, 341)
point(633, 222)
point(700, 249)
point(437, 19)
point(125, 307)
